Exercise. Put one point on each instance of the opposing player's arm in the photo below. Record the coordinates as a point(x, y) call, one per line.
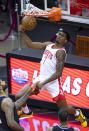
point(22, 91)
point(60, 55)
point(29, 43)
point(24, 94)
point(8, 107)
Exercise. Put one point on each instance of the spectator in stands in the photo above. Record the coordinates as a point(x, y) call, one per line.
point(63, 116)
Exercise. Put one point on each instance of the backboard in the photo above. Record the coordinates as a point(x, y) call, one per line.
point(72, 10)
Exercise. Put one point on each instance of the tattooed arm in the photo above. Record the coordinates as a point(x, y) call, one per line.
point(24, 94)
point(22, 91)
point(8, 107)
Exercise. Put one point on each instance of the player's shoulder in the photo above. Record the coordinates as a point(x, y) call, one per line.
point(13, 98)
point(48, 43)
point(44, 45)
point(6, 101)
point(7, 104)
point(61, 52)
point(62, 49)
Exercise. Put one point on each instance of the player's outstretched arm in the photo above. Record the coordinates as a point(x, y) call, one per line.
point(29, 43)
point(25, 95)
point(8, 107)
point(22, 91)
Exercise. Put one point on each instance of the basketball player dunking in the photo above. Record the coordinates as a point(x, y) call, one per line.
point(51, 68)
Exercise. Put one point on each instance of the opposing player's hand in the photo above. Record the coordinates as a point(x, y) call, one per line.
point(21, 29)
point(39, 85)
point(33, 87)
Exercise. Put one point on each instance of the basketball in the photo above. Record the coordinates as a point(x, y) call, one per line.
point(29, 22)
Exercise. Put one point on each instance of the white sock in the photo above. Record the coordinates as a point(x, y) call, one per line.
point(77, 113)
point(25, 109)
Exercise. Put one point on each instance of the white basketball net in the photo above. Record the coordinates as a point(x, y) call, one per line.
point(33, 10)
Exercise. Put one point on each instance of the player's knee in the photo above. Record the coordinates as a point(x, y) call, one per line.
point(62, 104)
point(59, 98)
point(71, 110)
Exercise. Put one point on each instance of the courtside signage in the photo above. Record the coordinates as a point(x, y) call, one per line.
point(75, 82)
point(20, 76)
point(42, 122)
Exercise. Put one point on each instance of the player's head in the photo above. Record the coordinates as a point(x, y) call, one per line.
point(63, 115)
point(62, 37)
point(3, 86)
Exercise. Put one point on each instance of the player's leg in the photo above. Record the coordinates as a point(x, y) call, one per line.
point(77, 112)
point(24, 111)
point(63, 104)
point(59, 97)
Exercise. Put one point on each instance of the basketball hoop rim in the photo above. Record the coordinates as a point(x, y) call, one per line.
point(50, 12)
